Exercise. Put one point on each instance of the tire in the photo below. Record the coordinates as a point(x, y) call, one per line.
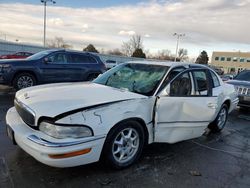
point(92, 77)
point(124, 144)
point(23, 80)
point(220, 121)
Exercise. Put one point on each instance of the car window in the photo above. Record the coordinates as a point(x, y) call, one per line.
point(82, 58)
point(173, 73)
point(245, 76)
point(181, 86)
point(201, 82)
point(58, 58)
point(215, 79)
point(92, 60)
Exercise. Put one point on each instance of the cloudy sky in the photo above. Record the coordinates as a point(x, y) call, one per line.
point(211, 25)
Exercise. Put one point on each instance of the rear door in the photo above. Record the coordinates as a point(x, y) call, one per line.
point(185, 107)
point(83, 65)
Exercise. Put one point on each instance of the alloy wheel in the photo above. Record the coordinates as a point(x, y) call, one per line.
point(222, 118)
point(24, 81)
point(126, 145)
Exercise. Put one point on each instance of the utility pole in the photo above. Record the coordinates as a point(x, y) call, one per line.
point(44, 21)
point(177, 43)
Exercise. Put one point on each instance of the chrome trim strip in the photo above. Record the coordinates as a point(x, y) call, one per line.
point(236, 100)
point(243, 90)
point(47, 143)
point(183, 122)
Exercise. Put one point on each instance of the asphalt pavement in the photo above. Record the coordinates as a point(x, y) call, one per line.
point(217, 160)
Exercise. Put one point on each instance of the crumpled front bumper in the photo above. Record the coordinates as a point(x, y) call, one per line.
point(42, 146)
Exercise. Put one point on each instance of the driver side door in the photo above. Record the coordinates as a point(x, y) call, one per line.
point(185, 107)
point(55, 69)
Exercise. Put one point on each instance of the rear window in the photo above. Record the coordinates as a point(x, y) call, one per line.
point(245, 76)
point(83, 59)
point(215, 79)
point(201, 82)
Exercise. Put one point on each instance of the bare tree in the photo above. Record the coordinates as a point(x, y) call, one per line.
point(58, 42)
point(115, 52)
point(164, 54)
point(182, 54)
point(135, 42)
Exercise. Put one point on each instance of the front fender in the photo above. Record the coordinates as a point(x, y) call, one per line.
point(102, 119)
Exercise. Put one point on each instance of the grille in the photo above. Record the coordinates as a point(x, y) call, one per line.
point(26, 114)
point(243, 90)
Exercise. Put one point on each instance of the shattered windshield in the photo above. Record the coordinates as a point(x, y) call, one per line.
point(137, 78)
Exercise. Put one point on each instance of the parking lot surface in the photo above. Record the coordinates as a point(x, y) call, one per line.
point(217, 160)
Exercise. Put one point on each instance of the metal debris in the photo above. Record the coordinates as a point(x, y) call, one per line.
point(105, 181)
point(245, 117)
point(195, 173)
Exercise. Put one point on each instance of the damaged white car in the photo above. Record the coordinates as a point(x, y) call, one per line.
point(116, 115)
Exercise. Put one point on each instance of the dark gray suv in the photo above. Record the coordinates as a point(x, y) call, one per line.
point(242, 85)
point(50, 66)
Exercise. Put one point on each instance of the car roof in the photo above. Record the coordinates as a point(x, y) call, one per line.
point(168, 63)
point(246, 70)
point(69, 50)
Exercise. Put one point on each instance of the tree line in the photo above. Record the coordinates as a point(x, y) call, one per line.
point(134, 48)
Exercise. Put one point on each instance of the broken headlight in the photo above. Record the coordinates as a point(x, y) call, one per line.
point(61, 131)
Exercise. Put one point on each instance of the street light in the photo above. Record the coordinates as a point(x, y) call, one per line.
point(177, 44)
point(44, 25)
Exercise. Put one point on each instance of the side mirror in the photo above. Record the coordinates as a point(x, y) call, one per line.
point(46, 60)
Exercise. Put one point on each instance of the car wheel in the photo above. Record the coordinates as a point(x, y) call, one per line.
point(124, 144)
point(91, 77)
point(24, 80)
point(219, 123)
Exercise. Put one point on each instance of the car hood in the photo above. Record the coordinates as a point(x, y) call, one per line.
point(10, 61)
point(239, 83)
point(54, 99)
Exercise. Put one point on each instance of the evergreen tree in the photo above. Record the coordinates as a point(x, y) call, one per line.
point(90, 48)
point(138, 53)
point(202, 58)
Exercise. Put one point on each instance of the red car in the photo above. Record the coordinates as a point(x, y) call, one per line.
point(18, 55)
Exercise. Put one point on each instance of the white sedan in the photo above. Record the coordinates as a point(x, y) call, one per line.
point(116, 115)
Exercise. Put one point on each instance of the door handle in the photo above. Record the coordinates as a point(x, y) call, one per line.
point(212, 105)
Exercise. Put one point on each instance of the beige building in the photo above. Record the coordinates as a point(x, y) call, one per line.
point(231, 62)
